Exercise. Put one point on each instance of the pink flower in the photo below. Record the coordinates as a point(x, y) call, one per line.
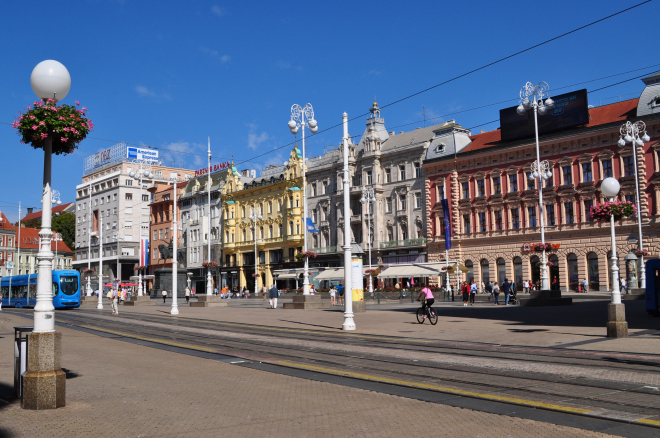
point(43, 135)
point(77, 103)
point(64, 139)
point(85, 109)
point(42, 123)
point(34, 127)
point(32, 117)
point(29, 107)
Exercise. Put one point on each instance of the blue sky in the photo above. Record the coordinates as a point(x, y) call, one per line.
point(170, 74)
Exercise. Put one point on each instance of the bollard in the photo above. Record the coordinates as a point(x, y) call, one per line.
point(378, 297)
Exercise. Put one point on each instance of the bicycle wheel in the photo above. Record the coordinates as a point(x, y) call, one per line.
point(433, 317)
point(420, 315)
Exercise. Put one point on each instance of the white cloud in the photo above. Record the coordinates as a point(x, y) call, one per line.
point(217, 10)
point(182, 154)
point(214, 54)
point(255, 140)
point(143, 91)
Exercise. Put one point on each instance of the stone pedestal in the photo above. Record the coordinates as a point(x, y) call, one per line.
point(359, 306)
point(305, 302)
point(209, 301)
point(89, 300)
point(144, 300)
point(543, 298)
point(617, 327)
point(44, 383)
point(163, 280)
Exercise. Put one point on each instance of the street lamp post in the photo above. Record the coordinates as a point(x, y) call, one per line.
point(99, 306)
point(532, 96)
point(45, 382)
point(144, 170)
point(617, 327)
point(369, 199)
point(57, 238)
point(209, 279)
point(301, 117)
point(635, 133)
point(255, 215)
point(349, 322)
point(174, 177)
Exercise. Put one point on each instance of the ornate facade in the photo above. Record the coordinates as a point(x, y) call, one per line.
point(495, 211)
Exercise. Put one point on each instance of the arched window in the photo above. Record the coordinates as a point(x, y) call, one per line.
point(535, 265)
point(485, 274)
point(281, 233)
point(470, 273)
point(291, 228)
point(243, 211)
point(270, 231)
point(573, 275)
point(244, 236)
point(518, 273)
point(261, 232)
point(501, 270)
point(553, 271)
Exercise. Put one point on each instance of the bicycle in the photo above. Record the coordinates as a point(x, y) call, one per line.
point(429, 312)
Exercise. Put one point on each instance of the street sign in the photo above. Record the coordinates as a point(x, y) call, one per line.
point(10, 265)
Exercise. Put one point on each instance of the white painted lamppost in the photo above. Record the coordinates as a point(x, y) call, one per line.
point(617, 327)
point(255, 215)
point(369, 199)
point(532, 96)
point(50, 80)
point(142, 171)
point(349, 322)
point(174, 177)
point(635, 133)
point(301, 117)
point(209, 278)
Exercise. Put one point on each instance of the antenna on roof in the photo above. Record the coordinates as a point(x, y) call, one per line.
point(424, 115)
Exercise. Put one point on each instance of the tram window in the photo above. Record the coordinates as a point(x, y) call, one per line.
point(55, 289)
point(68, 284)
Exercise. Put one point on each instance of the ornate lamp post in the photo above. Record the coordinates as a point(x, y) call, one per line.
point(174, 177)
point(209, 278)
point(635, 133)
point(532, 96)
point(143, 171)
point(369, 199)
point(617, 327)
point(255, 215)
point(301, 117)
point(349, 322)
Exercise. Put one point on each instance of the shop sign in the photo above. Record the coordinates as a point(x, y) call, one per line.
point(214, 168)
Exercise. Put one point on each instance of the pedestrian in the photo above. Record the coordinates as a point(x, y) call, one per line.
point(312, 290)
point(489, 289)
point(483, 288)
point(585, 286)
point(215, 290)
point(624, 289)
point(473, 292)
point(496, 293)
point(113, 301)
point(164, 295)
point(273, 293)
point(193, 291)
point(465, 291)
point(506, 288)
point(187, 294)
point(340, 294)
point(333, 296)
point(526, 287)
point(579, 288)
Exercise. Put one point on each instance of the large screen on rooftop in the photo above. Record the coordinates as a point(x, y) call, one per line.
point(571, 109)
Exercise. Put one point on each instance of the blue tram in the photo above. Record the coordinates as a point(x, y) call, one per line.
point(66, 290)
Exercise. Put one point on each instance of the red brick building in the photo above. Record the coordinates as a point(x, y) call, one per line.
point(495, 208)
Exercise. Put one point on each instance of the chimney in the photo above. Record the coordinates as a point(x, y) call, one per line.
point(29, 210)
point(392, 133)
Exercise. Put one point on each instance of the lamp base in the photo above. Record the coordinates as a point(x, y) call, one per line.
point(304, 302)
point(544, 298)
point(617, 327)
point(144, 300)
point(44, 383)
point(209, 301)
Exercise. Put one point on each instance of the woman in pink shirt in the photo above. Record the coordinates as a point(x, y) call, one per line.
point(429, 298)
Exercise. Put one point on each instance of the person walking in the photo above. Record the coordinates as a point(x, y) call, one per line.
point(506, 288)
point(273, 293)
point(333, 296)
point(187, 294)
point(340, 294)
point(489, 289)
point(526, 287)
point(624, 289)
point(585, 286)
point(114, 298)
point(164, 295)
point(465, 291)
point(496, 293)
point(473, 292)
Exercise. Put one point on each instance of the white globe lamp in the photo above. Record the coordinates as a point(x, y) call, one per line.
point(50, 80)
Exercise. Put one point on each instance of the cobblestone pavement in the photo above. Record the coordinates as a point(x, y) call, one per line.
point(117, 389)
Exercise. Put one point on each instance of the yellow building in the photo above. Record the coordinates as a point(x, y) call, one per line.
point(275, 200)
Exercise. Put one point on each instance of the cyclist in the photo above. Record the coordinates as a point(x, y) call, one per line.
point(428, 299)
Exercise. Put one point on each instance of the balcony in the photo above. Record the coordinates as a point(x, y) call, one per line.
point(323, 224)
point(326, 250)
point(406, 242)
point(402, 212)
point(194, 222)
point(356, 218)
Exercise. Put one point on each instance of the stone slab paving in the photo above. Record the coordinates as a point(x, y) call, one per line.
point(117, 389)
point(582, 323)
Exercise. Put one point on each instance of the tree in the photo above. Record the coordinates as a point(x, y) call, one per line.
point(65, 224)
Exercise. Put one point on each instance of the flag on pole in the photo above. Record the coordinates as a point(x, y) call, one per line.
point(310, 226)
point(445, 209)
point(144, 251)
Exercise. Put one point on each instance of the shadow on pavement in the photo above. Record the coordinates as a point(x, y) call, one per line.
point(579, 314)
point(69, 374)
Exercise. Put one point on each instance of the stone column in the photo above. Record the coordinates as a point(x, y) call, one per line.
point(583, 270)
point(563, 273)
point(603, 273)
point(44, 383)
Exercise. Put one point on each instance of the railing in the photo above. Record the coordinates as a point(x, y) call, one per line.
point(405, 242)
point(326, 250)
point(194, 222)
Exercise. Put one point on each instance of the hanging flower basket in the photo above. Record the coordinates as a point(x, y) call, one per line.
point(641, 253)
point(210, 264)
point(254, 275)
point(309, 254)
point(89, 271)
point(548, 264)
point(140, 268)
point(65, 125)
point(620, 210)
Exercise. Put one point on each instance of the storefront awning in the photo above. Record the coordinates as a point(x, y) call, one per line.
point(413, 270)
point(338, 273)
point(287, 275)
